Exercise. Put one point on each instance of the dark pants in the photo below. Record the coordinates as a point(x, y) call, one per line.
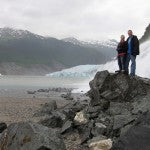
point(121, 62)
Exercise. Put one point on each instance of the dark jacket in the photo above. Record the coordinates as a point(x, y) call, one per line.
point(134, 45)
point(122, 47)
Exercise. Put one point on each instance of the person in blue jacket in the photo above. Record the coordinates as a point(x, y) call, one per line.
point(132, 52)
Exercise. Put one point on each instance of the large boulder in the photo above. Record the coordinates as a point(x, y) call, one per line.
point(137, 137)
point(47, 108)
point(31, 136)
point(120, 108)
point(122, 120)
point(53, 121)
point(115, 87)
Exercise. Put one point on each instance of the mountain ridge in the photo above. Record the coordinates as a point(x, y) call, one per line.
point(28, 49)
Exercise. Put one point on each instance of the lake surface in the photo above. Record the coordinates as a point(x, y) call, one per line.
point(18, 85)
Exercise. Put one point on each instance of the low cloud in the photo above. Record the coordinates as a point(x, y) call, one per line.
point(83, 19)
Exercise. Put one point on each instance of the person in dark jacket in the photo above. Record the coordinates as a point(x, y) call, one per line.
point(132, 52)
point(122, 51)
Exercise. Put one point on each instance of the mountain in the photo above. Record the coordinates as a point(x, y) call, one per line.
point(26, 52)
point(106, 47)
point(90, 70)
point(91, 43)
point(146, 35)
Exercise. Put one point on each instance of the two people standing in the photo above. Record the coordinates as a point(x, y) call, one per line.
point(127, 51)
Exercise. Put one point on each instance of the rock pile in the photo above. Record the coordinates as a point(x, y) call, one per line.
point(117, 117)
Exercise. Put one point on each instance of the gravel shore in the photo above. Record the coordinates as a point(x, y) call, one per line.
point(14, 109)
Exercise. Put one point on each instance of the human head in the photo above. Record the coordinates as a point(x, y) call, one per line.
point(122, 38)
point(130, 33)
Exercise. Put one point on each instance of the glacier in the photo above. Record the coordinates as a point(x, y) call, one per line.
point(78, 71)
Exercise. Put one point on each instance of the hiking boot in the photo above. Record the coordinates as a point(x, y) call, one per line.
point(117, 71)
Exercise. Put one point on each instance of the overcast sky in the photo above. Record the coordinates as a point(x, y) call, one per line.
point(82, 19)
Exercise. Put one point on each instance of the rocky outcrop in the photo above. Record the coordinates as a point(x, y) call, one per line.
point(116, 103)
point(137, 137)
point(122, 100)
point(115, 87)
point(31, 136)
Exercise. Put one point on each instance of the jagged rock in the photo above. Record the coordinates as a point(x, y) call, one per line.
point(53, 121)
point(99, 129)
point(141, 105)
point(122, 120)
point(31, 92)
point(71, 109)
point(67, 126)
point(67, 96)
point(125, 129)
point(3, 126)
point(100, 143)
point(96, 86)
point(137, 137)
point(115, 87)
point(43, 90)
point(31, 136)
point(118, 108)
point(107, 121)
point(94, 111)
point(110, 95)
point(85, 131)
point(47, 108)
point(60, 116)
point(81, 118)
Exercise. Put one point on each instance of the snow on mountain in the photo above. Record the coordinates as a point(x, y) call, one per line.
point(92, 43)
point(106, 43)
point(15, 33)
point(90, 70)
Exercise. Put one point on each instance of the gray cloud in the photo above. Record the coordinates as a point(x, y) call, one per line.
point(84, 19)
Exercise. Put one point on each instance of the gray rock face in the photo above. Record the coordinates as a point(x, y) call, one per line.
point(58, 117)
point(98, 129)
point(115, 87)
point(52, 121)
point(137, 137)
point(122, 120)
point(31, 136)
point(47, 108)
point(118, 108)
point(121, 99)
point(67, 126)
point(3, 126)
point(96, 86)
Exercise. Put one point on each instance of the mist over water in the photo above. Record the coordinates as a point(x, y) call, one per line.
point(12, 85)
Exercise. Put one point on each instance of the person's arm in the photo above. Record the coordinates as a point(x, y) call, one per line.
point(136, 46)
point(126, 47)
point(118, 47)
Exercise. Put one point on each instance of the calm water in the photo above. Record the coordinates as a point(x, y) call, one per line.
point(17, 85)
